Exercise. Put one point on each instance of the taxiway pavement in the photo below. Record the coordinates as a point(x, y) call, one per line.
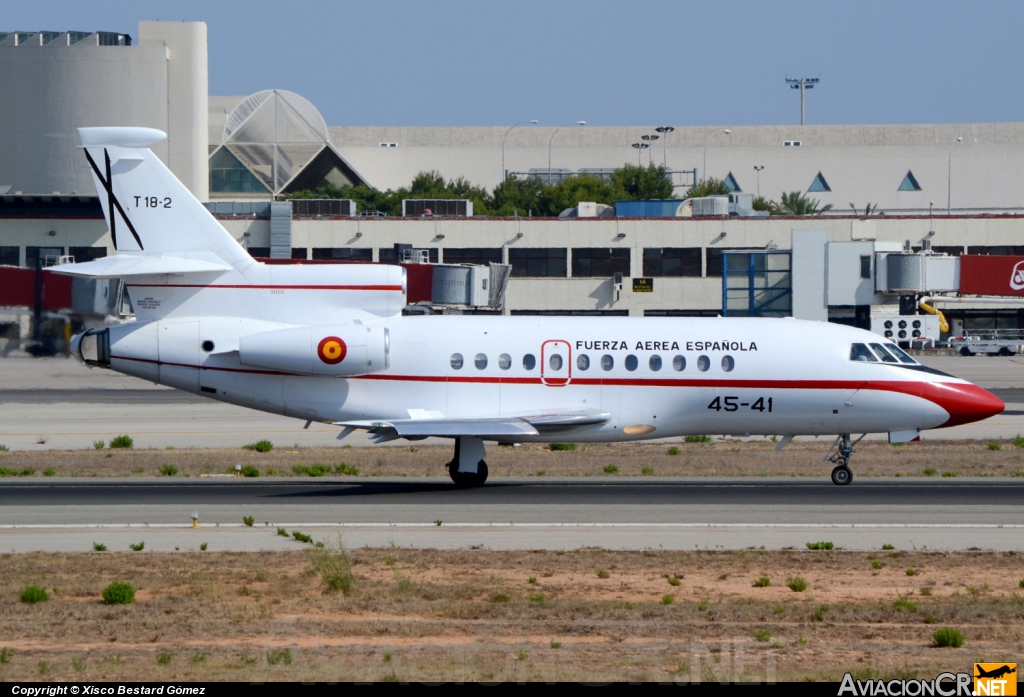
point(69, 515)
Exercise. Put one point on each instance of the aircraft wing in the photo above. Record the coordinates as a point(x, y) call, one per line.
point(131, 265)
point(502, 428)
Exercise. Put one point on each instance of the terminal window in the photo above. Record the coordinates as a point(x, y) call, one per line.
point(82, 254)
point(386, 255)
point(472, 255)
point(599, 262)
point(539, 262)
point(343, 253)
point(672, 261)
point(9, 256)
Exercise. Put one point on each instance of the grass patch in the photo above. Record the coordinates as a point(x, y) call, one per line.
point(334, 568)
point(796, 584)
point(903, 604)
point(48, 472)
point(611, 469)
point(248, 520)
point(302, 537)
point(99, 547)
point(98, 444)
point(261, 446)
point(875, 564)
point(119, 593)
point(647, 471)
point(911, 571)
point(1019, 441)
point(314, 470)
point(947, 636)
point(697, 439)
point(282, 532)
point(168, 470)
point(500, 598)
point(929, 471)
point(673, 581)
point(122, 442)
point(819, 545)
point(536, 598)
point(675, 450)
point(4, 448)
point(820, 612)
point(202, 547)
point(6, 655)
point(762, 582)
point(164, 659)
point(995, 446)
point(556, 644)
point(34, 594)
point(279, 656)
point(778, 609)
point(26, 472)
point(345, 469)
point(887, 546)
point(553, 447)
point(250, 471)
point(949, 474)
point(924, 590)
point(601, 573)
point(667, 599)
point(137, 547)
point(762, 634)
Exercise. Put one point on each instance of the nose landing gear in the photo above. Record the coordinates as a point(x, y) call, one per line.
point(839, 454)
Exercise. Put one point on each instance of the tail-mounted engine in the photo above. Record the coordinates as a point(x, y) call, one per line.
point(336, 351)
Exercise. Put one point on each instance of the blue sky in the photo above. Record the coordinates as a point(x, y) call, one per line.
point(486, 63)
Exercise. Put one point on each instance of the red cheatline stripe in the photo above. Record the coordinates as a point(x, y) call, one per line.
point(259, 287)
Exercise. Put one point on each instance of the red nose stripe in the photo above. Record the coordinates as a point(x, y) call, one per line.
point(965, 403)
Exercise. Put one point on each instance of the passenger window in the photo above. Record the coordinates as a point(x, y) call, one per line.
point(607, 362)
point(529, 362)
point(583, 361)
point(883, 354)
point(504, 361)
point(703, 363)
point(480, 361)
point(555, 362)
point(456, 361)
point(860, 352)
point(631, 362)
point(679, 364)
point(654, 363)
point(901, 354)
point(728, 363)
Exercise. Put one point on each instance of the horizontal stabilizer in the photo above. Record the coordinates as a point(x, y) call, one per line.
point(504, 428)
point(131, 265)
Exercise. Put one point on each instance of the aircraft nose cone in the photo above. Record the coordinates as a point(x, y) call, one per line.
point(967, 403)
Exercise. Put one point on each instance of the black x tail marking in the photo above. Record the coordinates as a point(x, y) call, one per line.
point(112, 201)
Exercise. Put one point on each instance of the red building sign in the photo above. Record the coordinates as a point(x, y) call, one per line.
point(991, 275)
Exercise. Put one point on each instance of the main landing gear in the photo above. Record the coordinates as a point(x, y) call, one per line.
point(839, 454)
point(468, 468)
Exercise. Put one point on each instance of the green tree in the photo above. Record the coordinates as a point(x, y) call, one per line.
point(795, 203)
point(760, 203)
point(709, 186)
point(631, 182)
point(517, 195)
point(570, 191)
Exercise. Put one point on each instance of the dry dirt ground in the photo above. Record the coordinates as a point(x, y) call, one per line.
point(720, 458)
point(484, 615)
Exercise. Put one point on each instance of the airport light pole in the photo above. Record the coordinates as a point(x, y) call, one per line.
point(706, 140)
point(552, 138)
point(758, 168)
point(664, 130)
point(650, 141)
point(803, 84)
point(949, 174)
point(639, 149)
point(504, 172)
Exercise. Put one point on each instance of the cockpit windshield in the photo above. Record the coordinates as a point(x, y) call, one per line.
point(901, 354)
point(860, 352)
point(883, 354)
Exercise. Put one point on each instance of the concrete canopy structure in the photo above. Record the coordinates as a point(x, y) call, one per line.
point(275, 142)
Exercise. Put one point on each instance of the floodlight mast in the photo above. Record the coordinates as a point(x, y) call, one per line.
point(804, 83)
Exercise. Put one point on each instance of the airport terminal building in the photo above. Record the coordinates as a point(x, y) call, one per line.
point(951, 189)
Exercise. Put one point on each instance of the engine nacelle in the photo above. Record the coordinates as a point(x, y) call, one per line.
point(335, 351)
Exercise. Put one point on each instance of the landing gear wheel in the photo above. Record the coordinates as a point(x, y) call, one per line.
point(1005, 351)
point(467, 480)
point(964, 351)
point(842, 475)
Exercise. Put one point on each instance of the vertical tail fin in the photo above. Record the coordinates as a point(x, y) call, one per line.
point(149, 212)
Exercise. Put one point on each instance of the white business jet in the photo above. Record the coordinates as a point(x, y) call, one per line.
point(329, 343)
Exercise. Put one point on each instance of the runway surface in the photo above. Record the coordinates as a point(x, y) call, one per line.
point(67, 515)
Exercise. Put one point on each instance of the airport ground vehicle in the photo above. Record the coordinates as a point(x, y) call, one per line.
point(997, 342)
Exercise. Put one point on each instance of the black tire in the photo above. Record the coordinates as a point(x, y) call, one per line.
point(1005, 351)
point(964, 351)
point(467, 480)
point(842, 475)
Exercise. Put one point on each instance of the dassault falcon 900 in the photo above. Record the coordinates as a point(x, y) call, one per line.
point(329, 343)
